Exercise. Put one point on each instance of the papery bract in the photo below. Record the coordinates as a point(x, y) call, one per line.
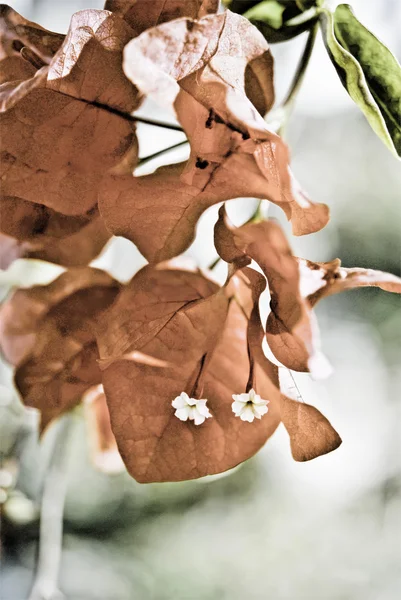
point(295, 286)
point(311, 434)
point(66, 126)
point(142, 14)
point(292, 332)
point(48, 333)
point(218, 72)
point(174, 316)
point(42, 233)
point(17, 33)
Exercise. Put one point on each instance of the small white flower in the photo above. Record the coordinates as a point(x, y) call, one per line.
point(189, 408)
point(248, 406)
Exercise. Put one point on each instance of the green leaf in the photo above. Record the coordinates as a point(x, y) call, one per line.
point(279, 21)
point(291, 6)
point(288, 31)
point(368, 70)
point(269, 12)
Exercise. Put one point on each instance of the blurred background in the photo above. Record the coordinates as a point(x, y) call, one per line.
point(272, 529)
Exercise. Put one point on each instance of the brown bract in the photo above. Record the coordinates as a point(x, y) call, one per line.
point(311, 434)
point(48, 333)
point(195, 337)
point(69, 124)
point(34, 231)
point(295, 286)
point(291, 328)
point(142, 14)
point(173, 330)
point(218, 72)
point(325, 279)
point(16, 33)
point(174, 317)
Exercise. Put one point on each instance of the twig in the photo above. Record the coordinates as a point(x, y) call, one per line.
point(214, 263)
point(301, 69)
point(129, 117)
point(147, 159)
point(157, 123)
point(45, 586)
point(287, 105)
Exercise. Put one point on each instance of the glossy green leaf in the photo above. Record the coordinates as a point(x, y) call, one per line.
point(269, 11)
point(284, 33)
point(279, 21)
point(368, 70)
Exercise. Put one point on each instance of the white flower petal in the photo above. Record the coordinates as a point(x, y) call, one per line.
point(237, 407)
point(180, 401)
point(197, 417)
point(182, 414)
point(259, 410)
point(202, 408)
point(191, 408)
point(247, 414)
point(241, 398)
point(252, 395)
point(261, 402)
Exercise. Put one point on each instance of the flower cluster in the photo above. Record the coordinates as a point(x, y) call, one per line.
point(247, 406)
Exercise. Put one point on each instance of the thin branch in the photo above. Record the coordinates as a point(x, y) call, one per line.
point(127, 116)
point(147, 159)
point(214, 263)
point(51, 518)
point(301, 69)
point(286, 107)
point(158, 123)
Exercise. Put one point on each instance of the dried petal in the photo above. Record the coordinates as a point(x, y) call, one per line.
point(311, 434)
point(295, 287)
point(174, 316)
point(206, 68)
point(142, 14)
point(64, 128)
point(291, 329)
point(17, 32)
point(332, 279)
point(43, 233)
point(48, 332)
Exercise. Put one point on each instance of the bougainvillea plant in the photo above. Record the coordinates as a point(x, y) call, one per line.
point(175, 359)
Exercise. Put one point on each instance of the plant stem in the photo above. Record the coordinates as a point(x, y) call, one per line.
point(287, 105)
point(214, 263)
point(45, 586)
point(134, 118)
point(301, 69)
point(157, 123)
point(147, 159)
